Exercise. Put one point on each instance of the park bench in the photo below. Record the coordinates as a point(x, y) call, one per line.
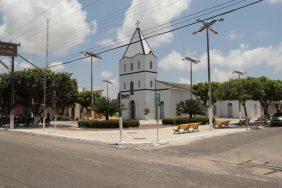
point(221, 123)
point(186, 127)
point(242, 122)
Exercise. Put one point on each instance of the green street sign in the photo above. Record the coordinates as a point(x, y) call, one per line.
point(157, 99)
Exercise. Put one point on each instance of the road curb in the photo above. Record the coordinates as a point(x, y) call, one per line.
point(127, 144)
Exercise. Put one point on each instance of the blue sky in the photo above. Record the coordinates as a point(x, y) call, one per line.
point(248, 40)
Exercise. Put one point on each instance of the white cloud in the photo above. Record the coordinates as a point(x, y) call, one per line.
point(25, 22)
point(243, 59)
point(105, 42)
point(106, 74)
point(58, 68)
point(149, 17)
point(172, 61)
point(220, 75)
point(233, 35)
point(24, 65)
point(183, 80)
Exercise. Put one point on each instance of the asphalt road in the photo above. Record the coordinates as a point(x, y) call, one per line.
point(248, 159)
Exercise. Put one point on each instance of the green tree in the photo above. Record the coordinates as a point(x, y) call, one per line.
point(106, 107)
point(276, 97)
point(200, 90)
point(191, 107)
point(84, 99)
point(29, 89)
point(238, 90)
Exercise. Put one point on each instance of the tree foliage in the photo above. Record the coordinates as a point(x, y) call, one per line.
point(106, 107)
point(29, 90)
point(191, 107)
point(200, 90)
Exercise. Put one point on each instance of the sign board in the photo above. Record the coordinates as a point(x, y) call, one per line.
point(8, 49)
point(157, 99)
point(124, 96)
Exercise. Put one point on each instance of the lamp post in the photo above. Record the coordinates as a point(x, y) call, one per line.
point(107, 83)
point(191, 60)
point(97, 56)
point(239, 73)
point(207, 26)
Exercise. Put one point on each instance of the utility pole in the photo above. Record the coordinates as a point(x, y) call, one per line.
point(97, 56)
point(191, 60)
point(120, 118)
point(239, 73)
point(12, 113)
point(107, 83)
point(46, 66)
point(207, 27)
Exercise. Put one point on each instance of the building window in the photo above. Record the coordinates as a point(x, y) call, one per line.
point(131, 66)
point(124, 85)
point(138, 64)
point(151, 84)
point(139, 84)
point(124, 68)
point(151, 65)
point(131, 88)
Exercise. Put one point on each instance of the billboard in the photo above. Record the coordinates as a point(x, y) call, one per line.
point(8, 49)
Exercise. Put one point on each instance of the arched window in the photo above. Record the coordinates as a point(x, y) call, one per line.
point(124, 68)
point(131, 66)
point(151, 83)
point(139, 83)
point(131, 88)
point(151, 65)
point(138, 64)
point(124, 85)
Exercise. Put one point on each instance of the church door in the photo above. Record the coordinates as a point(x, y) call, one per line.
point(162, 110)
point(132, 110)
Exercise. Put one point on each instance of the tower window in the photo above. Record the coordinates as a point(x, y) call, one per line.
point(138, 64)
point(151, 83)
point(139, 84)
point(131, 88)
point(131, 66)
point(124, 68)
point(151, 65)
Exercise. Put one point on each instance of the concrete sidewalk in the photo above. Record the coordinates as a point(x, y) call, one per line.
point(130, 136)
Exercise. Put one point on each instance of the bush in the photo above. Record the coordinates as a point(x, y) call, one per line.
point(177, 121)
point(107, 124)
point(63, 118)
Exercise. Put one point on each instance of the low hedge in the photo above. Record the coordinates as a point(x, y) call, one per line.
point(63, 118)
point(110, 124)
point(177, 121)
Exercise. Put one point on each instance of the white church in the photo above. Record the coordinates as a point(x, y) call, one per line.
point(138, 84)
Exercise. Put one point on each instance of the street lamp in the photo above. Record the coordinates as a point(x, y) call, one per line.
point(239, 73)
point(191, 60)
point(207, 26)
point(91, 55)
point(107, 83)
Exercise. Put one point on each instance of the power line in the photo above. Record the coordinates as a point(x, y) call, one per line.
point(121, 40)
point(172, 30)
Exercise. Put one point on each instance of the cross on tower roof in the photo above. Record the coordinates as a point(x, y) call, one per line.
point(137, 23)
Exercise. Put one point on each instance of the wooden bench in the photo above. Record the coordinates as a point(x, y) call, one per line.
point(186, 127)
point(242, 122)
point(221, 123)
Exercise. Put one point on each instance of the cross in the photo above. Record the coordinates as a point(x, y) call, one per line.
point(137, 23)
